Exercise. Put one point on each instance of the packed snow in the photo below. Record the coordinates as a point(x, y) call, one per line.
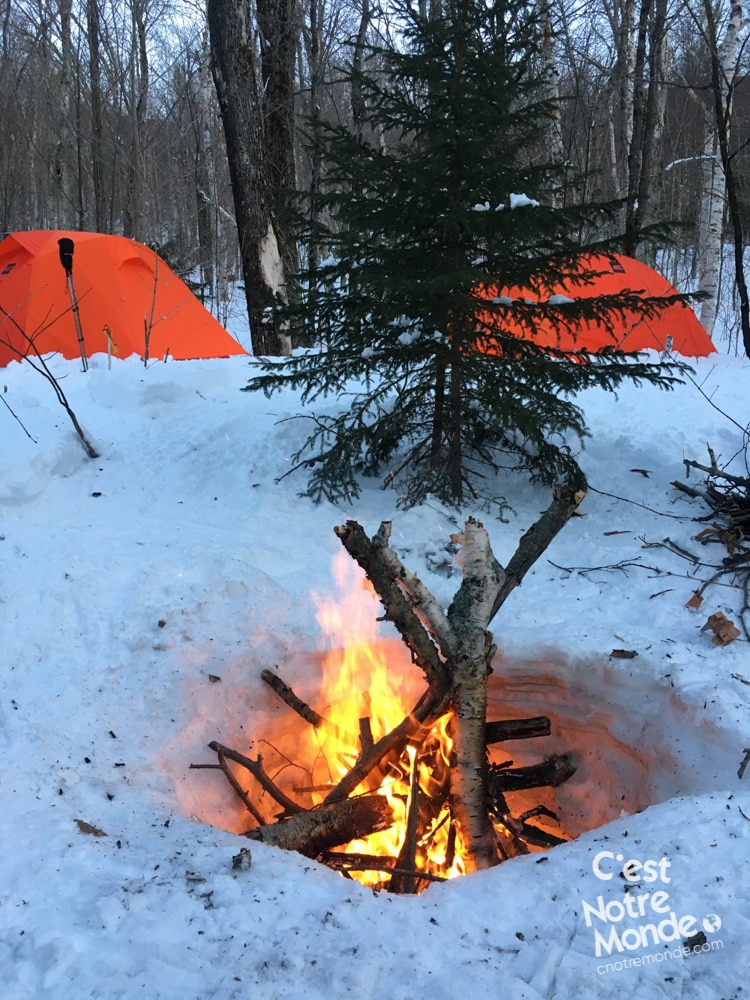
point(143, 593)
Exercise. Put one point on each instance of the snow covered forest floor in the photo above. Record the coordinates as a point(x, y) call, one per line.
point(129, 582)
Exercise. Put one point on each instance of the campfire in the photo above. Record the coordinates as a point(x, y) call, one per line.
point(384, 779)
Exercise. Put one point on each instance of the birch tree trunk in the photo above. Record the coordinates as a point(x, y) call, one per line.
point(716, 157)
point(551, 77)
point(710, 230)
point(238, 88)
point(723, 82)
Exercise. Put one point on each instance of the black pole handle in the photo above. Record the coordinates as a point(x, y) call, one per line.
point(67, 246)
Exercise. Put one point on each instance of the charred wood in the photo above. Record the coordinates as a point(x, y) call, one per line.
point(290, 698)
point(549, 774)
point(327, 826)
point(517, 729)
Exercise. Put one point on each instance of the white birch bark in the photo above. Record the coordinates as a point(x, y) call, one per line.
point(551, 78)
point(714, 182)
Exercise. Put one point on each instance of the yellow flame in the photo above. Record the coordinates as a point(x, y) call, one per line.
point(358, 684)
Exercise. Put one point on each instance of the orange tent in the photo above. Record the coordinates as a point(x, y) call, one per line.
point(676, 326)
point(121, 287)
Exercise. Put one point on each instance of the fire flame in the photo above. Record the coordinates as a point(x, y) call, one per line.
point(363, 692)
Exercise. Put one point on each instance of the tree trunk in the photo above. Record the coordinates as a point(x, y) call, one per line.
point(710, 230)
point(233, 62)
point(554, 138)
point(138, 70)
point(97, 127)
point(359, 111)
point(208, 209)
point(723, 77)
point(63, 165)
point(649, 110)
point(278, 30)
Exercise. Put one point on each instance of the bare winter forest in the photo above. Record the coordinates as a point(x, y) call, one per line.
point(126, 117)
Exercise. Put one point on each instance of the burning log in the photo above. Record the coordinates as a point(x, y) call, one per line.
point(327, 826)
point(446, 788)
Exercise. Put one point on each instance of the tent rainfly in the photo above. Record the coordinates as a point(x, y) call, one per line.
point(676, 328)
point(80, 294)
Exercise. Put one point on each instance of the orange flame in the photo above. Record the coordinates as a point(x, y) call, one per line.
point(360, 684)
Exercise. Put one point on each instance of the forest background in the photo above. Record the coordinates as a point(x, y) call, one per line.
point(112, 122)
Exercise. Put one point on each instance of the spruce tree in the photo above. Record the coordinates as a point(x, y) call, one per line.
point(445, 194)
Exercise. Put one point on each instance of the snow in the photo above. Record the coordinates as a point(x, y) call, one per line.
point(560, 300)
point(133, 581)
point(523, 201)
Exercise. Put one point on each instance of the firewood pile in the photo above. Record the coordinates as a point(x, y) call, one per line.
point(429, 776)
point(727, 496)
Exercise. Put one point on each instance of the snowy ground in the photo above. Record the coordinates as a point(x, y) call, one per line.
point(129, 580)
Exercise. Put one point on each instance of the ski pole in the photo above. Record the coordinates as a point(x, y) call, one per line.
point(66, 259)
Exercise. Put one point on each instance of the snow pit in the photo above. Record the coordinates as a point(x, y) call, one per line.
point(634, 742)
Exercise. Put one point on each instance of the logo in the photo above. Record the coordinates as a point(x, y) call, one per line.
point(636, 920)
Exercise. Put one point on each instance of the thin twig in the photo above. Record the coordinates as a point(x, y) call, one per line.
point(634, 564)
point(661, 513)
point(224, 768)
point(408, 856)
point(256, 769)
point(290, 698)
point(16, 417)
point(667, 543)
point(245, 799)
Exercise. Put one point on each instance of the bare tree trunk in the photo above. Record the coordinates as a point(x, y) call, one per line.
point(208, 215)
point(710, 231)
point(359, 111)
point(278, 29)
point(97, 126)
point(235, 72)
point(723, 56)
point(623, 84)
point(64, 175)
point(315, 69)
point(723, 77)
point(649, 105)
point(551, 76)
point(137, 99)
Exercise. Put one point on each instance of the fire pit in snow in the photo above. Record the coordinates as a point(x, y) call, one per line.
point(399, 785)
